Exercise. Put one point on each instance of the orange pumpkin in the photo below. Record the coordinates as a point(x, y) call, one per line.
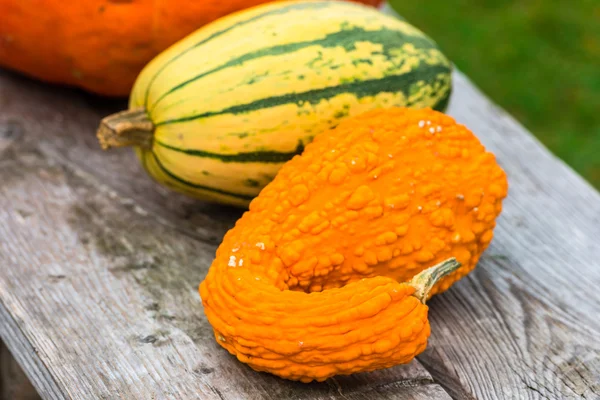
point(100, 45)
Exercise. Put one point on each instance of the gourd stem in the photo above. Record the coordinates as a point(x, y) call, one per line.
point(425, 280)
point(126, 128)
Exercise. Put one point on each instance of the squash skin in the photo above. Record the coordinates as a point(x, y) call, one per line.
point(278, 74)
point(306, 285)
point(100, 45)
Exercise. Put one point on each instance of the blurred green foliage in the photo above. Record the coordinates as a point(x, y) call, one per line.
point(538, 59)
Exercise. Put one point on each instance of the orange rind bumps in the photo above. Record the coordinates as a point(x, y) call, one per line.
point(311, 281)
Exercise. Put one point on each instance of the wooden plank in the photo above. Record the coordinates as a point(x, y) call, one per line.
point(523, 325)
point(398, 391)
point(64, 122)
point(526, 323)
point(98, 299)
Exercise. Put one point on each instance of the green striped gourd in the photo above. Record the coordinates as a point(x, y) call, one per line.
point(217, 114)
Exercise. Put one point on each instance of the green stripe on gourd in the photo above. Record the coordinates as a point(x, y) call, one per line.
point(384, 37)
point(195, 185)
point(394, 83)
point(280, 11)
point(255, 156)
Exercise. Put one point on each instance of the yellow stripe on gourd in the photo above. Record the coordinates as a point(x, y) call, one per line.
point(272, 76)
point(239, 41)
point(151, 165)
point(262, 129)
point(229, 176)
point(184, 103)
point(184, 45)
point(268, 132)
point(275, 73)
point(198, 59)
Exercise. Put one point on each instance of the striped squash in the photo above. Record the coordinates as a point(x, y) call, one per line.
point(217, 114)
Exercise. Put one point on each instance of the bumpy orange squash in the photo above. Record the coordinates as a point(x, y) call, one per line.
point(100, 45)
point(307, 283)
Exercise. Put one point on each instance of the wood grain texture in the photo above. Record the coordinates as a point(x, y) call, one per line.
point(526, 323)
point(63, 122)
point(99, 269)
point(98, 299)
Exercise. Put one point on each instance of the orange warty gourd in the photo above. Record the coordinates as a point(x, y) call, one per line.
point(308, 284)
point(100, 45)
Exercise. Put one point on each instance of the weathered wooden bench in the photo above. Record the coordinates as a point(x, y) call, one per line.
point(100, 268)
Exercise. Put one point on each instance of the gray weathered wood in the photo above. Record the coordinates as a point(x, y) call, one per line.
point(99, 268)
point(97, 298)
point(64, 124)
point(526, 323)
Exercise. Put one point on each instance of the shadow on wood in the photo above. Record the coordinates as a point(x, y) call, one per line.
point(14, 384)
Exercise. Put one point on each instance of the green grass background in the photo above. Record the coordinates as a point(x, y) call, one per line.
point(538, 59)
